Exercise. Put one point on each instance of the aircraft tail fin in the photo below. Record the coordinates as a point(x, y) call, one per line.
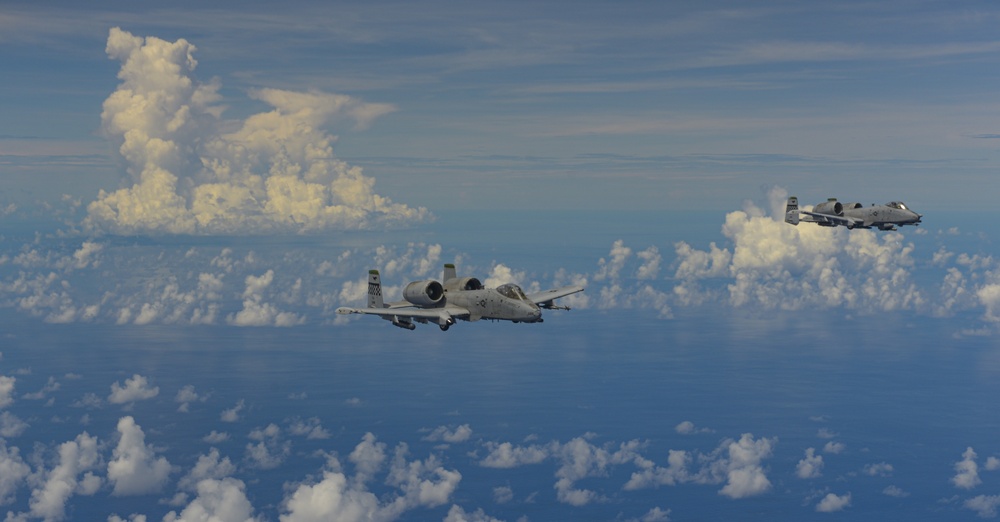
point(449, 272)
point(792, 211)
point(375, 290)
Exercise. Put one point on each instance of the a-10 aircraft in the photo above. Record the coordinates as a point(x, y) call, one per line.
point(463, 298)
point(832, 213)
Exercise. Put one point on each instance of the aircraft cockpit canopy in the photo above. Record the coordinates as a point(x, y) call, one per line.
point(898, 204)
point(512, 291)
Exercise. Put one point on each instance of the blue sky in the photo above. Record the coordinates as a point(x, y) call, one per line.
point(648, 105)
point(189, 194)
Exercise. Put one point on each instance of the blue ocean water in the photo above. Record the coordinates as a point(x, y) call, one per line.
point(898, 397)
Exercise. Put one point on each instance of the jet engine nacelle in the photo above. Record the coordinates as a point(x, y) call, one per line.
point(831, 206)
point(423, 293)
point(463, 283)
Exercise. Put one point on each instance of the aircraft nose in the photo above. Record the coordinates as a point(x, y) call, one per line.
point(535, 314)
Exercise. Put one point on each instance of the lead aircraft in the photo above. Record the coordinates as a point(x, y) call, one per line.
point(463, 298)
point(832, 213)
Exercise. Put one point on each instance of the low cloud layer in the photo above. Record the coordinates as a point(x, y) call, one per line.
point(193, 172)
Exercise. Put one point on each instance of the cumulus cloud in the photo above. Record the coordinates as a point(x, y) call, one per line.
point(984, 506)
point(457, 514)
point(776, 265)
point(738, 464)
point(135, 468)
point(255, 311)
point(11, 425)
point(13, 471)
point(6, 390)
point(834, 448)
point(210, 466)
point(76, 457)
point(446, 434)
point(745, 473)
point(881, 469)
point(135, 389)
point(811, 466)
point(218, 500)
point(186, 396)
point(309, 428)
point(336, 497)
point(232, 414)
point(688, 428)
point(832, 503)
point(895, 491)
point(967, 471)
point(269, 449)
point(506, 455)
point(192, 173)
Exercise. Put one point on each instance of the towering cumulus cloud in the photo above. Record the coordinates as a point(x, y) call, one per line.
point(275, 171)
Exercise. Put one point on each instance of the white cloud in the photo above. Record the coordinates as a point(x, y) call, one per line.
point(57, 485)
point(270, 450)
point(503, 494)
point(502, 274)
point(832, 503)
point(579, 460)
point(134, 468)
point(11, 426)
point(984, 506)
point(506, 455)
point(689, 428)
point(609, 269)
point(309, 428)
point(215, 437)
point(194, 174)
point(967, 471)
point(6, 390)
point(834, 448)
point(457, 514)
point(256, 312)
point(336, 497)
point(651, 259)
point(134, 517)
point(745, 474)
point(368, 457)
point(445, 434)
point(210, 466)
point(775, 265)
point(13, 471)
point(656, 514)
point(187, 395)
point(50, 386)
point(881, 469)
point(135, 389)
point(232, 414)
point(811, 466)
point(895, 491)
point(330, 499)
point(218, 500)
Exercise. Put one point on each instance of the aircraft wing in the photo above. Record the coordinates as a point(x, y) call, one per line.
point(390, 312)
point(836, 220)
point(545, 298)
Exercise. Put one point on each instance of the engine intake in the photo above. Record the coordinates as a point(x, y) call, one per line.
point(423, 293)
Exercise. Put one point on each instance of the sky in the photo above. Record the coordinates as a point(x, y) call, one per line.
point(190, 193)
point(534, 104)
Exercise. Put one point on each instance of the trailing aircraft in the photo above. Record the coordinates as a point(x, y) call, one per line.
point(465, 298)
point(832, 213)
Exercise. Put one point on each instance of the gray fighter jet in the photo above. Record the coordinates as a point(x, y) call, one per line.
point(463, 298)
point(832, 213)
